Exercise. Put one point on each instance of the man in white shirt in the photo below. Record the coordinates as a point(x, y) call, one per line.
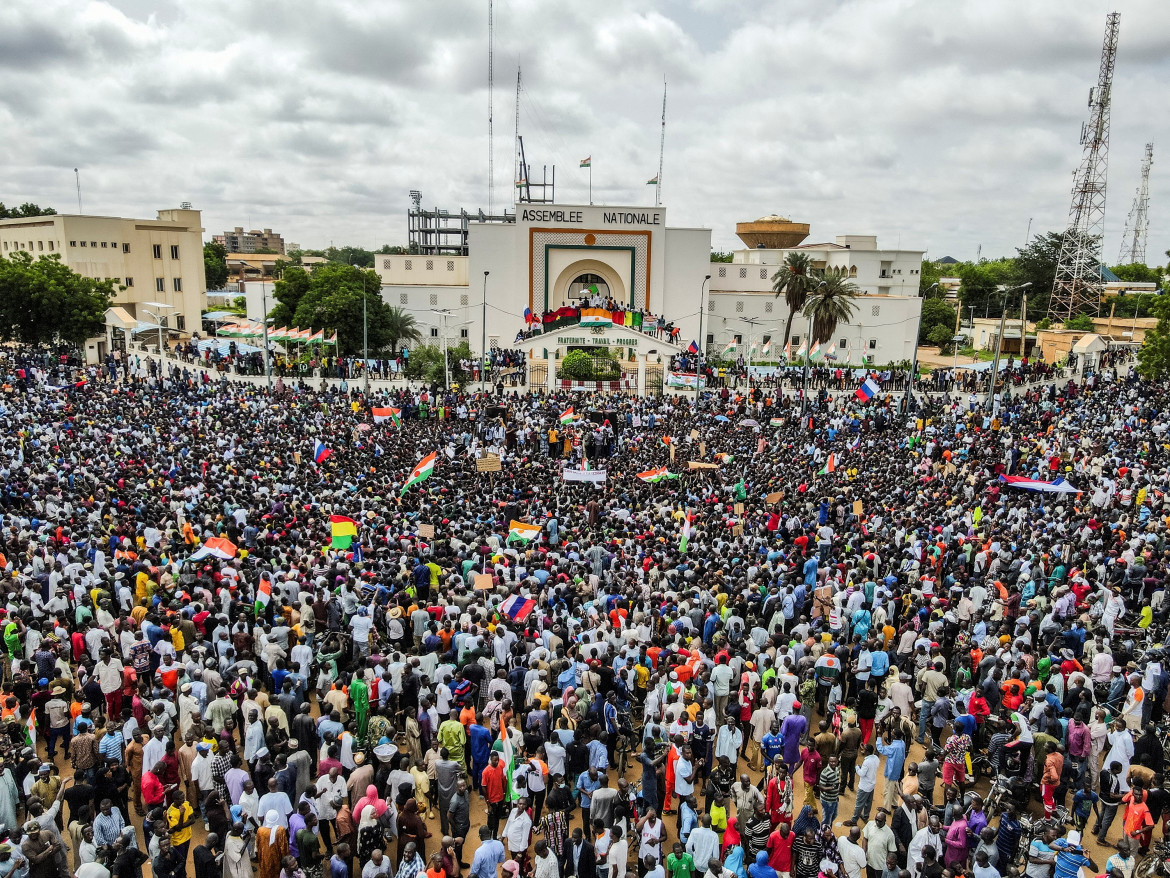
point(852, 853)
point(867, 774)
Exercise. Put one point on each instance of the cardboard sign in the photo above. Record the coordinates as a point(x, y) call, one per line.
point(483, 581)
point(698, 464)
point(296, 457)
point(702, 449)
point(738, 508)
point(694, 434)
point(774, 497)
point(737, 531)
point(426, 531)
point(672, 453)
point(857, 507)
point(488, 464)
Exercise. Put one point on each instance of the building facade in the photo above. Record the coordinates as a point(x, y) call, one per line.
point(156, 264)
point(239, 241)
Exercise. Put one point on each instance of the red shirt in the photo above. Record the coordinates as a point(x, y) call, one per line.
point(780, 851)
point(153, 792)
point(492, 782)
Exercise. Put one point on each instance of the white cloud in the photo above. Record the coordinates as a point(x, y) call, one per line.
point(944, 125)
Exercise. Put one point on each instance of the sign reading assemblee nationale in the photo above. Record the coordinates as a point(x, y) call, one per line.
point(608, 217)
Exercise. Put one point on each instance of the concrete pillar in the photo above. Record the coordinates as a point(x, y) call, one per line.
point(642, 374)
point(552, 370)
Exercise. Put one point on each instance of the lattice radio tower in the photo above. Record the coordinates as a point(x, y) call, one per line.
point(1133, 242)
point(1078, 285)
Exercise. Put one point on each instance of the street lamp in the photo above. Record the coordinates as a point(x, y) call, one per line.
point(444, 313)
point(914, 360)
point(750, 321)
point(702, 341)
point(483, 338)
point(158, 319)
point(999, 343)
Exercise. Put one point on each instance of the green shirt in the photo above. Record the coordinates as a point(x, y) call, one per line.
point(680, 867)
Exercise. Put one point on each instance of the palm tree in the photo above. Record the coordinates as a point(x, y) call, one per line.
point(794, 280)
point(830, 303)
point(400, 326)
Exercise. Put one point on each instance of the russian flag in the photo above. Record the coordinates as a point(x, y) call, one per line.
point(868, 390)
point(528, 315)
point(693, 347)
point(517, 607)
point(320, 452)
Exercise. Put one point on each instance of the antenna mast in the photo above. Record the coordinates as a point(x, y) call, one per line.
point(661, 149)
point(491, 83)
point(1133, 242)
point(516, 135)
point(1078, 284)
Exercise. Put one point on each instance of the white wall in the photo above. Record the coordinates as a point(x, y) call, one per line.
point(687, 261)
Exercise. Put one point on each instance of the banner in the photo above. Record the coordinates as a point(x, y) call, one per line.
point(684, 379)
point(596, 476)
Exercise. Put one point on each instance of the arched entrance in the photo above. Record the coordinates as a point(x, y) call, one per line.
point(568, 286)
point(583, 286)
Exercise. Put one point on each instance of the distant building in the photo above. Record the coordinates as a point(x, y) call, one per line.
point(156, 264)
point(239, 241)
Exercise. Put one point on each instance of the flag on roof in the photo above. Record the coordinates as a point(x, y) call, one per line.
point(517, 607)
point(653, 181)
point(320, 452)
point(522, 532)
point(829, 467)
point(343, 530)
point(420, 473)
point(387, 414)
point(587, 162)
point(656, 475)
point(215, 547)
point(868, 390)
point(263, 594)
point(567, 416)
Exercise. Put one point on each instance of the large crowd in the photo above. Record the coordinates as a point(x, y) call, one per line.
point(247, 635)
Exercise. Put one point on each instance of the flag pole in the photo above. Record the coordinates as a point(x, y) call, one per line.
point(591, 179)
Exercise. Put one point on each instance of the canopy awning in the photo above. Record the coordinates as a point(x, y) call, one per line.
point(120, 317)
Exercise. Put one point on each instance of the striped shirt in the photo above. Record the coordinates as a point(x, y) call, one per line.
point(111, 746)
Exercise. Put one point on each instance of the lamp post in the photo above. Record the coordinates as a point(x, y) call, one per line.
point(750, 321)
point(483, 337)
point(158, 320)
point(702, 340)
point(999, 343)
point(807, 347)
point(914, 359)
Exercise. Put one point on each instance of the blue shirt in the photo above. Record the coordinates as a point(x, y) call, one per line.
point(771, 746)
point(810, 571)
point(338, 868)
point(587, 786)
point(488, 856)
point(880, 663)
point(598, 757)
point(895, 753)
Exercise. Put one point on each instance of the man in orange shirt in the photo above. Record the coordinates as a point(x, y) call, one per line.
point(1053, 765)
point(492, 788)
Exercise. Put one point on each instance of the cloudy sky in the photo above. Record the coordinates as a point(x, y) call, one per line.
point(940, 125)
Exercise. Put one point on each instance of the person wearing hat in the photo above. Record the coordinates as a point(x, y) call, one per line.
point(60, 721)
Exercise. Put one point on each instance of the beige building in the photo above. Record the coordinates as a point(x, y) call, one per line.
point(155, 264)
point(239, 241)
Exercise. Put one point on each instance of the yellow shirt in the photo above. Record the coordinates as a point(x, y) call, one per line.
point(175, 816)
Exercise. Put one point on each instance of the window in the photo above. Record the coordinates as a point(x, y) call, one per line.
point(710, 304)
point(876, 310)
point(722, 271)
point(125, 248)
point(766, 339)
point(853, 271)
point(158, 251)
point(869, 359)
point(450, 265)
point(50, 246)
point(409, 265)
point(129, 281)
point(463, 332)
point(93, 243)
point(5, 245)
point(843, 343)
point(739, 306)
point(72, 243)
point(177, 284)
point(710, 339)
point(738, 339)
point(493, 341)
point(434, 299)
point(743, 272)
point(581, 286)
point(40, 245)
point(403, 298)
point(160, 284)
point(795, 341)
point(103, 245)
point(434, 332)
point(181, 323)
point(430, 265)
point(463, 300)
point(113, 245)
point(386, 263)
point(768, 307)
point(873, 344)
point(763, 274)
point(83, 244)
point(174, 251)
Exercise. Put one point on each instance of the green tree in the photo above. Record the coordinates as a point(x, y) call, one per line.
point(830, 303)
point(1154, 355)
point(1138, 273)
point(1131, 305)
point(1036, 263)
point(794, 279)
point(929, 276)
point(26, 209)
point(215, 268)
point(350, 255)
point(942, 337)
point(1080, 323)
point(392, 250)
point(400, 327)
point(44, 301)
point(981, 282)
point(720, 256)
point(935, 313)
point(288, 291)
point(333, 302)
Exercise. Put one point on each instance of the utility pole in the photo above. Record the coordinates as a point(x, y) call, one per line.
point(750, 321)
point(267, 358)
point(999, 343)
point(914, 359)
point(483, 338)
point(702, 340)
